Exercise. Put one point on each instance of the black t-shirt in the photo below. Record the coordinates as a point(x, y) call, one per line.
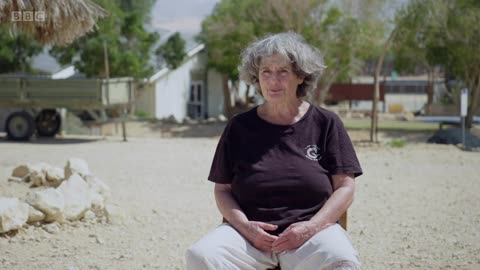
point(281, 174)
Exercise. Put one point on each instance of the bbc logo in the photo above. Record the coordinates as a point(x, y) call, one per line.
point(28, 16)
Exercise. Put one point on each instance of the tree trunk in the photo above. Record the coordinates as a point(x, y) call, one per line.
point(322, 95)
point(475, 103)
point(429, 91)
point(323, 88)
point(376, 90)
point(227, 100)
point(376, 94)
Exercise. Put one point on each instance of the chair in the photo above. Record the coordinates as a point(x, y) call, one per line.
point(343, 220)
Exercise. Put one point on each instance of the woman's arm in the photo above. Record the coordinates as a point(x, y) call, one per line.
point(337, 204)
point(298, 233)
point(254, 231)
point(228, 206)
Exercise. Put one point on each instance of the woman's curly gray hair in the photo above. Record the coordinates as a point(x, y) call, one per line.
point(307, 61)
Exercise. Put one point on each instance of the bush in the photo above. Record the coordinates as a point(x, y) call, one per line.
point(398, 143)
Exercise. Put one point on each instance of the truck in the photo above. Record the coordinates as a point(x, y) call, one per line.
point(30, 105)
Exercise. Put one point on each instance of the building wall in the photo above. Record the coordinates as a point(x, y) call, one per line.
point(409, 102)
point(172, 90)
point(214, 93)
point(145, 100)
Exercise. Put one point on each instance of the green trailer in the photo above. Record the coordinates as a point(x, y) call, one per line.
point(31, 105)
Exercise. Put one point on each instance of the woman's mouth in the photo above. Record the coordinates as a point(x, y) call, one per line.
point(275, 91)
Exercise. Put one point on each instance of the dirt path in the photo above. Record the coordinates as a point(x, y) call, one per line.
point(415, 207)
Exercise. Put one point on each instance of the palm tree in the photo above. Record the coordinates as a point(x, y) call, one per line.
point(53, 22)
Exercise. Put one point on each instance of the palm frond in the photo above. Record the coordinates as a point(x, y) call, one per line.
point(63, 20)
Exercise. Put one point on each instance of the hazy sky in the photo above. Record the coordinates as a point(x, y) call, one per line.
point(181, 15)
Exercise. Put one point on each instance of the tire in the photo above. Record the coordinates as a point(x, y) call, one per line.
point(48, 123)
point(20, 126)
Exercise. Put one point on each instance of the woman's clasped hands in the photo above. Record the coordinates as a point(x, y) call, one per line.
point(293, 237)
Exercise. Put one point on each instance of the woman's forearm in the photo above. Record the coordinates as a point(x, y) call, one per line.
point(229, 208)
point(336, 205)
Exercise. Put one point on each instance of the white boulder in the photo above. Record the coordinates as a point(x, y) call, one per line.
point(37, 174)
point(50, 201)
point(99, 194)
point(34, 215)
point(76, 194)
point(76, 166)
point(13, 214)
point(43, 174)
point(96, 185)
point(54, 176)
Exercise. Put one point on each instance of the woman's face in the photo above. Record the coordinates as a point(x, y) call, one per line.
point(278, 82)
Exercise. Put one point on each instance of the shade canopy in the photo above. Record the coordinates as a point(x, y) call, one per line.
point(55, 22)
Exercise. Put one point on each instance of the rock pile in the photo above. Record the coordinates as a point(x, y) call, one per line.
point(56, 195)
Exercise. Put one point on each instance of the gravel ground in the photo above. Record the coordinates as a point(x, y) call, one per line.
point(416, 206)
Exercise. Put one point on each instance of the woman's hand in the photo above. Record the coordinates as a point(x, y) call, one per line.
point(294, 236)
point(255, 232)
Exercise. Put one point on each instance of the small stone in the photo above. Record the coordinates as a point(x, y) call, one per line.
point(15, 179)
point(20, 171)
point(34, 215)
point(89, 216)
point(99, 240)
point(52, 228)
point(76, 166)
point(114, 213)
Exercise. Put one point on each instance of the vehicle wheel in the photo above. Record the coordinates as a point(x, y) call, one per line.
point(48, 123)
point(20, 126)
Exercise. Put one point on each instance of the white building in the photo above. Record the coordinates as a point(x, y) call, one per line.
point(407, 93)
point(190, 90)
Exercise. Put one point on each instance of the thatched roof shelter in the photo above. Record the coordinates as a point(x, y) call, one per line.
point(56, 22)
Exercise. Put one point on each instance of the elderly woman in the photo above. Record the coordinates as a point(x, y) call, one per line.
point(283, 171)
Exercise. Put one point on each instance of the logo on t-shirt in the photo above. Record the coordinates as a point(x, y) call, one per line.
point(312, 152)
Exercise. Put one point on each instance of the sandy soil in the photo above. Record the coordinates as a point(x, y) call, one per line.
point(416, 207)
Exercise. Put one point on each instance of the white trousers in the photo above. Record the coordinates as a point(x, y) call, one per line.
point(225, 248)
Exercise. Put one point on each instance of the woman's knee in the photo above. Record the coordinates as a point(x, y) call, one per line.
point(332, 250)
point(343, 265)
point(196, 257)
point(343, 258)
point(201, 257)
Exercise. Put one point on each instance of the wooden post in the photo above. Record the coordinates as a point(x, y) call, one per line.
point(124, 128)
point(107, 70)
point(343, 220)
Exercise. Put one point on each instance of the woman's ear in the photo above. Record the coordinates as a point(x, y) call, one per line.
point(300, 79)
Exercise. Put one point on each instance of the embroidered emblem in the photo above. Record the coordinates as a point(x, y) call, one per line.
point(312, 152)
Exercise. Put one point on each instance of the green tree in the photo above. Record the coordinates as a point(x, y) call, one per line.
point(225, 33)
point(448, 34)
point(344, 39)
point(16, 52)
point(128, 43)
point(172, 51)
point(415, 45)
